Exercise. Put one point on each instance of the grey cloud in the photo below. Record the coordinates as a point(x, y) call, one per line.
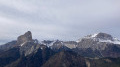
point(58, 19)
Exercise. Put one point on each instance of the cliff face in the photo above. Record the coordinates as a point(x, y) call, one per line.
point(24, 38)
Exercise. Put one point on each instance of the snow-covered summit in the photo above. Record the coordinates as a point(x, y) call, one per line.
point(94, 35)
point(102, 37)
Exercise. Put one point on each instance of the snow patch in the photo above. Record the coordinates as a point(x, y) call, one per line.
point(22, 44)
point(94, 35)
point(51, 43)
point(115, 41)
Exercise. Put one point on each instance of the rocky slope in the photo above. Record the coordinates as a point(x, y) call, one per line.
point(65, 59)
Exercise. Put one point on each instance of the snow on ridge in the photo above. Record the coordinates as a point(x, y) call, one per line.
point(110, 41)
point(114, 41)
point(94, 35)
point(49, 45)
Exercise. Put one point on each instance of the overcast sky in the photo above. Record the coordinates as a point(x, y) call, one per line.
point(58, 19)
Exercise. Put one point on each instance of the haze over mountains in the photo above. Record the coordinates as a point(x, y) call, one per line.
point(100, 49)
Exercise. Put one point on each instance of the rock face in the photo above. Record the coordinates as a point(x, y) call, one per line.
point(25, 43)
point(28, 45)
point(24, 38)
point(104, 36)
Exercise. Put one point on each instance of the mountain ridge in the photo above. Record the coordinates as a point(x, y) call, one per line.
point(96, 42)
point(29, 52)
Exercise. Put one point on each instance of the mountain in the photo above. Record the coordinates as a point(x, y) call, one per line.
point(34, 60)
point(21, 40)
point(9, 56)
point(97, 50)
point(25, 52)
point(96, 45)
point(100, 44)
point(66, 59)
point(8, 45)
point(71, 59)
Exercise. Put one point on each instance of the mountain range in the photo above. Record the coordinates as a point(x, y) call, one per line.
point(97, 50)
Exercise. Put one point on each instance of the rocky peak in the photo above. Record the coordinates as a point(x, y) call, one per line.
point(24, 38)
point(99, 38)
point(104, 36)
point(28, 34)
